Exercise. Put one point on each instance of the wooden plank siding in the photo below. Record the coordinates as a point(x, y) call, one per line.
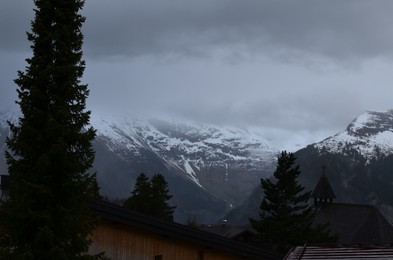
point(120, 242)
point(125, 234)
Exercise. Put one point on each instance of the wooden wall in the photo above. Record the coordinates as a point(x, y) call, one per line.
point(123, 243)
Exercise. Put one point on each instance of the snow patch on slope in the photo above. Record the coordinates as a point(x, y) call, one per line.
point(190, 171)
point(370, 135)
point(186, 146)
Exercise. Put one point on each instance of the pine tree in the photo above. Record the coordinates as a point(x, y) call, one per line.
point(286, 217)
point(49, 151)
point(141, 196)
point(161, 196)
point(151, 197)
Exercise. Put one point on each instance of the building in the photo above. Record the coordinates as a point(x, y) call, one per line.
point(364, 233)
point(354, 223)
point(124, 234)
point(239, 233)
point(323, 192)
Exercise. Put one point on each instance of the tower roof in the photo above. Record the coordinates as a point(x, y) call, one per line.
point(323, 190)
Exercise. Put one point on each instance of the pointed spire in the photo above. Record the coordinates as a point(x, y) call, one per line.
point(323, 191)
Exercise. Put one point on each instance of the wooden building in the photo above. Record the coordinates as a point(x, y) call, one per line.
point(124, 234)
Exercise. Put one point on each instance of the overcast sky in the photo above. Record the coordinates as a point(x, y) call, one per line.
point(300, 67)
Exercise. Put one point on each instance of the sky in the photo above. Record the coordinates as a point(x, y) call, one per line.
point(302, 70)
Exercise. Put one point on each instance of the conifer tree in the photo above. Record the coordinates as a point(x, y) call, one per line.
point(161, 195)
point(286, 217)
point(49, 150)
point(141, 196)
point(151, 197)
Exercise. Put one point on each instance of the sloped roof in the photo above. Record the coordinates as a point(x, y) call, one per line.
point(129, 218)
point(323, 190)
point(337, 251)
point(228, 231)
point(356, 223)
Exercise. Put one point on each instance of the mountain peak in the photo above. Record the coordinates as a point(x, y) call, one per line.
point(370, 135)
point(371, 123)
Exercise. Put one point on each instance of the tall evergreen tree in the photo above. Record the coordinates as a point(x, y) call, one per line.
point(286, 217)
point(151, 197)
point(141, 196)
point(50, 151)
point(161, 195)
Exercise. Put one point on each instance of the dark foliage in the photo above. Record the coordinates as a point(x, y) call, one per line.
point(50, 151)
point(140, 199)
point(286, 218)
point(151, 197)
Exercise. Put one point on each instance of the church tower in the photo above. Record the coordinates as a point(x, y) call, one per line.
point(323, 192)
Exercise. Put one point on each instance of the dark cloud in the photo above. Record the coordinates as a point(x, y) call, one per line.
point(300, 66)
point(242, 94)
point(351, 29)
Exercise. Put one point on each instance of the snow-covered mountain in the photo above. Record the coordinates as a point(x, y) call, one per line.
point(212, 168)
point(226, 162)
point(187, 148)
point(370, 135)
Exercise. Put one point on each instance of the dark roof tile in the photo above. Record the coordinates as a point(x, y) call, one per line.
point(356, 223)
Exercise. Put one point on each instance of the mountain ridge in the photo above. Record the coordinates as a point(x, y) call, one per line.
point(211, 169)
point(187, 147)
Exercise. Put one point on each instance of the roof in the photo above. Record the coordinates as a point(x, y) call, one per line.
point(177, 231)
point(356, 223)
point(377, 251)
point(323, 190)
point(224, 230)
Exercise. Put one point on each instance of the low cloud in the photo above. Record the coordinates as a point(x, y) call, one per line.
point(305, 66)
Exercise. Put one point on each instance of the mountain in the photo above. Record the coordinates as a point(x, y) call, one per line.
point(222, 165)
point(358, 160)
point(370, 135)
point(209, 168)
